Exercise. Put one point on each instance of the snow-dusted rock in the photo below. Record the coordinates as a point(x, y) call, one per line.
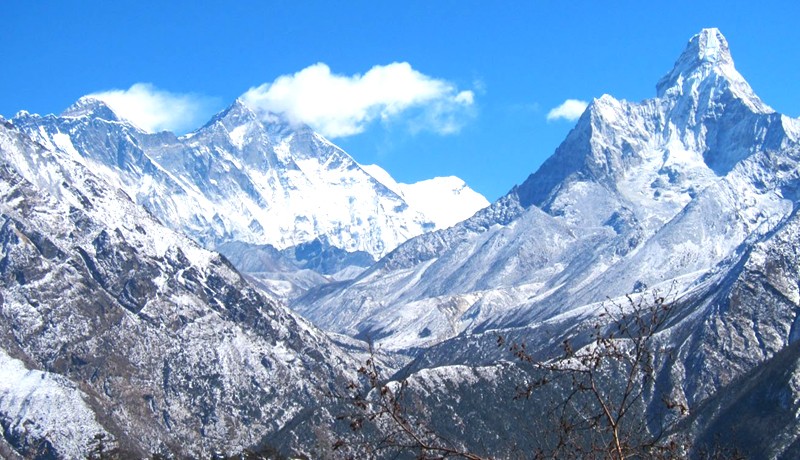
point(113, 324)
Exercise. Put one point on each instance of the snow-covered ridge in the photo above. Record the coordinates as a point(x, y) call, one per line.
point(90, 107)
point(707, 58)
point(250, 179)
point(47, 407)
point(445, 200)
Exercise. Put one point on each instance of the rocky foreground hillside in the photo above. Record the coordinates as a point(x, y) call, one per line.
point(114, 325)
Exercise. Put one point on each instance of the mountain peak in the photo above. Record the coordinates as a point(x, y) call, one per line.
point(240, 113)
point(705, 52)
point(240, 117)
point(239, 107)
point(91, 107)
point(709, 46)
point(707, 62)
point(236, 113)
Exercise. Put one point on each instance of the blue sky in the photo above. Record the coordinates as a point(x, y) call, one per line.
point(481, 76)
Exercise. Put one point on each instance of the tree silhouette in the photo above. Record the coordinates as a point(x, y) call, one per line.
point(603, 388)
point(598, 399)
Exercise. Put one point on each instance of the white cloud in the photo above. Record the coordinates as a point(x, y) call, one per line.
point(570, 110)
point(341, 105)
point(152, 109)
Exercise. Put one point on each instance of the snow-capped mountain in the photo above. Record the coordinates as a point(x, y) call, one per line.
point(254, 179)
point(445, 200)
point(114, 325)
point(693, 193)
point(730, 356)
point(638, 194)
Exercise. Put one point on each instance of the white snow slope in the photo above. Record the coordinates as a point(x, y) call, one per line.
point(445, 200)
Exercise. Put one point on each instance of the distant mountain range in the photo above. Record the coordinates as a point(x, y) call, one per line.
point(256, 180)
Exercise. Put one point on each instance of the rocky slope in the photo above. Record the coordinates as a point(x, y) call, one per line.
point(115, 325)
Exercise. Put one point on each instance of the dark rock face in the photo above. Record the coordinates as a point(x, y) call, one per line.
point(160, 344)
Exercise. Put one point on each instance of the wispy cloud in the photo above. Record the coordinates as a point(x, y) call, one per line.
point(341, 105)
point(571, 110)
point(153, 109)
